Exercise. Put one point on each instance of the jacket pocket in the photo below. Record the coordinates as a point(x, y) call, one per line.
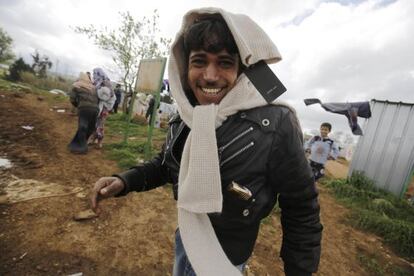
point(236, 209)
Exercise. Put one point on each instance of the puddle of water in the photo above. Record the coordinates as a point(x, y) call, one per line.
point(5, 163)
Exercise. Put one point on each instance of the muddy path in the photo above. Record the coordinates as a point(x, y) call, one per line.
point(132, 235)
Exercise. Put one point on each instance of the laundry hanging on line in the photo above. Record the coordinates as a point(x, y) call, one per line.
point(351, 110)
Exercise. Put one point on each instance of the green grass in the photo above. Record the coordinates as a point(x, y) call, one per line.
point(129, 154)
point(19, 87)
point(371, 264)
point(376, 265)
point(377, 211)
point(126, 155)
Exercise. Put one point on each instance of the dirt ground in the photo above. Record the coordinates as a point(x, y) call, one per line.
point(47, 186)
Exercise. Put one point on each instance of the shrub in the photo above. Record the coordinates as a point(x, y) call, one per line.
point(17, 68)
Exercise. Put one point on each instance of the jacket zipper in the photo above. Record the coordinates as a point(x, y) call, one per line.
point(251, 144)
point(222, 148)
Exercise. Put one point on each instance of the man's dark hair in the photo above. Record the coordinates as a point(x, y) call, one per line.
point(211, 34)
point(328, 125)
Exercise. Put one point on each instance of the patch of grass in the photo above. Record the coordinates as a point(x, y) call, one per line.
point(371, 264)
point(12, 87)
point(378, 266)
point(398, 271)
point(48, 83)
point(377, 211)
point(398, 233)
point(116, 125)
point(128, 155)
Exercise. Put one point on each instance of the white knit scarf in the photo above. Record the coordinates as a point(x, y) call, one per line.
point(199, 189)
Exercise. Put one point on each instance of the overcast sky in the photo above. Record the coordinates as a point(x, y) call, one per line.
point(337, 51)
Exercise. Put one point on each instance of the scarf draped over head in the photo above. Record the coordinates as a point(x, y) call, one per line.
point(100, 78)
point(200, 190)
point(104, 90)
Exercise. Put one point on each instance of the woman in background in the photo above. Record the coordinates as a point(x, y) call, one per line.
point(107, 100)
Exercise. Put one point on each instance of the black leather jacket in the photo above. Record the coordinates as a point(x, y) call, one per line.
point(262, 150)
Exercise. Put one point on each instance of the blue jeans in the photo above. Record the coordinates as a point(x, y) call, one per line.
point(182, 266)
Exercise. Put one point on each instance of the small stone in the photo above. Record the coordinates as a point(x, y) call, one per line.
point(85, 215)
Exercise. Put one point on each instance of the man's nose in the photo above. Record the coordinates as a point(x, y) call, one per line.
point(211, 73)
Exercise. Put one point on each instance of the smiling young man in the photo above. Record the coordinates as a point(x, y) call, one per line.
point(212, 75)
point(230, 154)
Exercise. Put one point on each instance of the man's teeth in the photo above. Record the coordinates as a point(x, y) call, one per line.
point(211, 90)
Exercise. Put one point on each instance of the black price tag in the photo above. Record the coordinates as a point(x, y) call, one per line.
point(265, 81)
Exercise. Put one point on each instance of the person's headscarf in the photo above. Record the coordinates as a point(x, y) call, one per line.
point(199, 189)
point(104, 90)
point(100, 78)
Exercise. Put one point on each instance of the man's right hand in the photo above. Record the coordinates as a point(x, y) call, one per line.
point(105, 187)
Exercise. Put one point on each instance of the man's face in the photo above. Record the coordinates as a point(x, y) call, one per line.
point(324, 131)
point(212, 76)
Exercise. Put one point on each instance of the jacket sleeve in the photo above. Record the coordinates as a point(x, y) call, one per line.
point(298, 199)
point(146, 176)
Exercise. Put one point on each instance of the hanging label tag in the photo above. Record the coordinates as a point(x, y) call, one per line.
point(265, 81)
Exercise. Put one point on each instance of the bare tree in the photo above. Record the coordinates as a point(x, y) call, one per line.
point(41, 64)
point(132, 41)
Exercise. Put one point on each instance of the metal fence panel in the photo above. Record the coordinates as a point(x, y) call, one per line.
point(386, 151)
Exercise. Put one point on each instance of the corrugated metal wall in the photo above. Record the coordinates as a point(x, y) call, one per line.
point(385, 153)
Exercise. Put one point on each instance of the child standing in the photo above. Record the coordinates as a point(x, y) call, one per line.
point(321, 149)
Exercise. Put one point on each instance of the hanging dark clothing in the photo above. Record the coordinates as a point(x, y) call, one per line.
point(351, 110)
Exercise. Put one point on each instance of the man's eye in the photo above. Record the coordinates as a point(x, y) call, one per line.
point(226, 64)
point(198, 62)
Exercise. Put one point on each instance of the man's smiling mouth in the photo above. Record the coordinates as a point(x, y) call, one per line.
point(211, 91)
